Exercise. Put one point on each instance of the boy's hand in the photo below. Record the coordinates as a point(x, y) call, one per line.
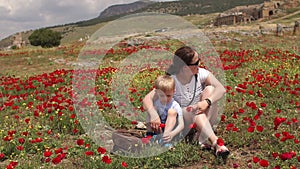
point(155, 125)
point(167, 137)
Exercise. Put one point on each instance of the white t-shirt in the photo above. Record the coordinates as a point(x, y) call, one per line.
point(163, 109)
point(184, 93)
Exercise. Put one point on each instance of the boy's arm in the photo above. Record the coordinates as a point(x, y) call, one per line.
point(149, 107)
point(179, 127)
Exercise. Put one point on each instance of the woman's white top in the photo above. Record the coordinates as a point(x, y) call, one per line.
point(184, 93)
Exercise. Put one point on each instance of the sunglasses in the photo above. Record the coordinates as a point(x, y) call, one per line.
point(194, 64)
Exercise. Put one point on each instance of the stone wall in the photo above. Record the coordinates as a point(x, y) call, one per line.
point(18, 40)
point(254, 12)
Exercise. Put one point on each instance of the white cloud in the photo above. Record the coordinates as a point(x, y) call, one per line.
point(22, 15)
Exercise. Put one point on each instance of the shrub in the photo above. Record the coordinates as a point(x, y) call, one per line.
point(46, 38)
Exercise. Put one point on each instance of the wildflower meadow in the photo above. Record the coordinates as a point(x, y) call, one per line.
point(39, 126)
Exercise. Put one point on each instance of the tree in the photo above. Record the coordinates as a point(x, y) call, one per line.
point(46, 38)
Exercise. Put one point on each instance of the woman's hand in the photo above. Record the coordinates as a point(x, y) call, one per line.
point(202, 107)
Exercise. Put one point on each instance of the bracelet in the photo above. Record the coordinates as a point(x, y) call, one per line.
point(208, 102)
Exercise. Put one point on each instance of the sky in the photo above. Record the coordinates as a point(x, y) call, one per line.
point(22, 15)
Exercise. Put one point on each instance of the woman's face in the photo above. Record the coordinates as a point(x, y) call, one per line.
point(194, 65)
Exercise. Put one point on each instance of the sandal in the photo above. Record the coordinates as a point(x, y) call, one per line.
point(204, 146)
point(220, 150)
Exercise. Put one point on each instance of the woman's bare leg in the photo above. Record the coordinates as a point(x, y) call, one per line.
point(212, 113)
point(204, 128)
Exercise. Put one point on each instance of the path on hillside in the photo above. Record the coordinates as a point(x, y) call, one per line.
point(286, 16)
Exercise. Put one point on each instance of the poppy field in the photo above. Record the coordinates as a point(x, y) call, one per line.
point(39, 127)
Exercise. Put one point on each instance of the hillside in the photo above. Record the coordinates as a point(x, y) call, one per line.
point(199, 12)
point(123, 9)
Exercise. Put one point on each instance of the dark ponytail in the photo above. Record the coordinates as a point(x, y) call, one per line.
point(182, 57)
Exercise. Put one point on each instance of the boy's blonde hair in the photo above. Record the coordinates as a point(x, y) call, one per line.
point(165, 83)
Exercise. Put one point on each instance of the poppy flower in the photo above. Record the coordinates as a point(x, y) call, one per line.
point(2, 155)
point(47, 153)
point(193, 126)
point(101, 150)
point(12, 165)
point(189, 109)
point(263, 104)
point(59, 150)
point(134, 122)
point(80, 142)
point(21, 140)
point(259, 128)
point(275, 155)
point(264, 163)
point(20, 148)
point(255, 159)
point(162, 125)
point(89, 153)
point(124, 164)
point(106, 159)
point(56, 160)
point(251, 129)
point(146, 140)
point(220, 142)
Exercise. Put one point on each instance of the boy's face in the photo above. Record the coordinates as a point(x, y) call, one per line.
point(165, 96)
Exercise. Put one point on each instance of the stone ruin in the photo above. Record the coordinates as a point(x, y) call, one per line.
point(246, 14)
point(18, 41)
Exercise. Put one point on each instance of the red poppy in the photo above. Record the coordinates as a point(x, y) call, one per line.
point(2, 155)
point(259, 128)
point(145, 140)
point(220, 142)
point(134, 122)
point(264, 163)
point(251, 129)
point(89, 153)
point(12, 165)
point(193, 126)
point(162, 125)
point(255, 159)
point(275, 155)
point(47, 160)
point(189, 109)
point(59, 150)
point(20, 148)
point(56, 160)
point(21, 140)
point(47, 153)
point(124, 164)
point(106, 159)
point(80, 142)
point(101, 150)
point(263, 104)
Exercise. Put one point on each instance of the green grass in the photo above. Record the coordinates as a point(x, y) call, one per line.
point(263, 60)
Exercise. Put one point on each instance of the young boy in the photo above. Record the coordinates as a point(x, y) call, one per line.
point(168, 109)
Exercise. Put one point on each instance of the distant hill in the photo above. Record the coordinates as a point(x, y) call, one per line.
point(124, 8)
point(74, 31)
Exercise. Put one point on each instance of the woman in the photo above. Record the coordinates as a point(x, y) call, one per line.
point(197, 91)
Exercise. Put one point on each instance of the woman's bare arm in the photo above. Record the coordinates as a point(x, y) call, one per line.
point(219, 90)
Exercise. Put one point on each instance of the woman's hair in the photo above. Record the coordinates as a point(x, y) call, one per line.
point(182, 57)
point(165, 83)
